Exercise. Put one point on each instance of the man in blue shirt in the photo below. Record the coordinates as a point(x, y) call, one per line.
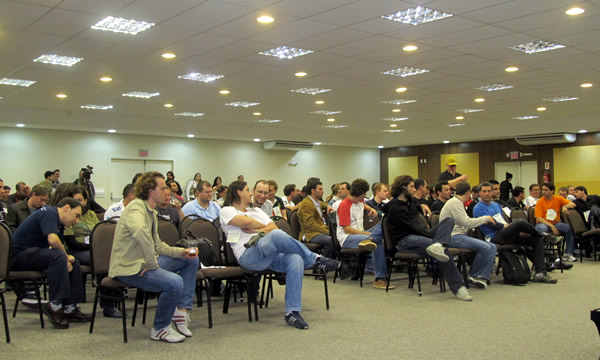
point(36, 246)
point(518, 232)
point(203, 205)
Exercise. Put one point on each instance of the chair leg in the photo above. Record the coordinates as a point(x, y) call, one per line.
point(94, 309)
point(389, 274)
point(4, 316)
point(326, 290)
point(209, 286)
point(416, 270)
point(138, 295)
point(39, 301)
point(463, 265)
point(145, 308)
point(226, 297)
point(124, 315)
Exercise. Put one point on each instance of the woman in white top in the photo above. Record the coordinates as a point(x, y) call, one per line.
point(190, 189)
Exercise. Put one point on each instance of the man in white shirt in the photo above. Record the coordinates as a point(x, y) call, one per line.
point(534, 195)
point(202, 206)
point(260, 197)
point(115, 210)
point(290, 191)
point(275, 250)
point(343, 192)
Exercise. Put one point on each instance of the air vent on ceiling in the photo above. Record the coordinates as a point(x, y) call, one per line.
point(558, 138)
point(287, 145)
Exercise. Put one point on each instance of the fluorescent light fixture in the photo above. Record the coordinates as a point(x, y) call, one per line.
point(141, 94)
point(301, 74)
point(511, 69)
point(446, 141)
point(121, 25)
point(561, 98)
point(526, 117)
point(417, 15)
point(396, 118)
point(20, 125)
point(310, 91)
point(58, 60)
point(380, 146)
point(335, 126)
point(331, 119)
point(205, 78)
point(189, 114)
point(284, 52)
point(112, 131)
point(398, 102)
point(396, 110)
point(394, 131)
point(242, 104)
point(1, 98)
point(582, 131)
point(256, 140)
point(575, 11)
point(456, 124)
point(268, 121)
point(96, 107)
point(586, 85)
point(401, 89)
point(494, 87)
point(265, 19)
point(410, 48)
point(16, 82)
point(536, 47)
point(405, 71)
point(466, 111)
point(190, 135)
point(168, 55)
point(326, 112)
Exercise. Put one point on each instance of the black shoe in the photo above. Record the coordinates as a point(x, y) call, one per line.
point(477, 282)
point(551, 239)
point(112, 312)
point(77, 316)
point(294, 319)
point(326, 264)
point(56, 317)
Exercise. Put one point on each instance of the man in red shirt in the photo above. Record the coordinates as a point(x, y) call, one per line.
point(547, 217)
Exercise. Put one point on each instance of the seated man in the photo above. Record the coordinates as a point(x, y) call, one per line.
point(534, 195)
point(342, 193)
point(139, 258)
point(410, 234)
point(588, 206)
point(547, 217)
point(203, 205)
point(170, 211)
point(443, 194)
point(474, 200)
point(485, 252)
point(278, 206)
point(313, 227)
point(496, 193)
point(516, 201)
point(351, 233)
point(22, 192)
point(115, 210)
point(36, 246)
point(260, 197)
point(518, 232)
point(289, 192)
point(380, 198)
point(17, 213)
point(275, 250)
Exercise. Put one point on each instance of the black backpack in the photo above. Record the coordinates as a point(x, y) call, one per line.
point(515, 269)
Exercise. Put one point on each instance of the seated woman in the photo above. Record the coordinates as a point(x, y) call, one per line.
point(191, 187)
point(175, 191)
point(217, 185)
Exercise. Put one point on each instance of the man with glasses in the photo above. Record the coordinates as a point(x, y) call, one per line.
point(203, 205)
point(260, 197)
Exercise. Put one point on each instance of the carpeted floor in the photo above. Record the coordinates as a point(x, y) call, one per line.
point(537, 321)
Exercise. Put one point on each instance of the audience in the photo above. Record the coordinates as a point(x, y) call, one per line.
point(47, 182)
point(443, 194)
point(176, 192)
point(516, 201)
point(534, 195)
point(450, 176)
point(588, 206)
point(380, 197)
point(17, 213)
point(22, 192)
point(171, 178)
point(289, 192)
point(506, 187)
point(190, 189)
point(203, 206)
point(115, 210)
point(278, 205)
point(312, 214)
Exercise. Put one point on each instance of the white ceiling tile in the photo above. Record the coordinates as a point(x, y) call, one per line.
point(207, 15)
point(18, 15)
point(287, 34)
point(64, 22)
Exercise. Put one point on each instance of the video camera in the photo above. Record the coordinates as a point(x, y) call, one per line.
point(87, 172)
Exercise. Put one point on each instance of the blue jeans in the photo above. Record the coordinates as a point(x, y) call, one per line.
point(565, 229)
point(485, 254)
point(176, 290)
point(378, 255)
point(280, 252)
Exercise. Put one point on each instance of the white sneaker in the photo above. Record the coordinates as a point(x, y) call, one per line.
point(570, 258)
point(167, 334)
point(463, 294)
point(181, 321)
point(436, 251)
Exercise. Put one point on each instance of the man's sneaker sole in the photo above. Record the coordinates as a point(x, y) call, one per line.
point(477, 283)
point(367, 245)
point(432, 250)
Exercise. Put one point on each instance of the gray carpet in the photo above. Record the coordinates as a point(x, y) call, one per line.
point(536, 321)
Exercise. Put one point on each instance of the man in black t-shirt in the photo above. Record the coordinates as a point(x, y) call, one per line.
point(450, 175)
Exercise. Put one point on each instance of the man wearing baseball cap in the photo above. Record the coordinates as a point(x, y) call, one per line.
point(450, 175)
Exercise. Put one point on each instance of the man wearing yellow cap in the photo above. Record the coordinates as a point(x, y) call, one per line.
point(450, 175)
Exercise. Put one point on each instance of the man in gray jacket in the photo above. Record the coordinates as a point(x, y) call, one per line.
point(485, 252)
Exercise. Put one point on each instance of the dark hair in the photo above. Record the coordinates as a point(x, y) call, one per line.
point(311, 179)
point(563, 188)
point(146, 183)
point(222, 189)
point(69, 201)
point(419, 183)
point(169, 182)
point(509, 175)
point(359, 187)
point(56, 171)
point(48, 174)
point(430, 188)
point(62, 191)
point(518, 190)
point(312, 186)
point(550, 186)
point(135, 177)
point(580, 188)
point(401, 184)
point(493, 182)
point(214, 181)
point(232, 195)
point(348, 186)
point(128, 189)
point(305, 190)
point(462, 187)
point(485, 183)
point(260, 182)
point(438, 186)
point(170, 173)
point(288, 189)
point(373, 185)
point(273, 183)
point(532, 186)
point(6, 187)
point(475, 189)
point(18, 186)
point(201, 185)
point(40, 190)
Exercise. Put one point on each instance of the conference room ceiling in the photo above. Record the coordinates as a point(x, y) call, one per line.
point(352, 47)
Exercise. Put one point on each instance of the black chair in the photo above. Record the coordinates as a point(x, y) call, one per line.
point(461, 253)
point(5, 247)
point(518, 214)
point(167, 232)
point(345, 254)
point(582, 234)
point(184, 223)
point(294, 221)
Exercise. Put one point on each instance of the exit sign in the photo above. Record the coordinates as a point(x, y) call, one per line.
point(143, 152)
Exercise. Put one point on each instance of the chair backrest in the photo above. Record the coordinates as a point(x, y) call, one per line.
point(101, 241)
point(294, 223)
point(531, 215)
point(201, 227)
point(423, 221)
point(435, 219)
point(282, 224)
point(184, 223)
point(168, 232)
point(332, 224)
point(387, 237)
point(505, 216)
point(576, 222)
point(368, 222)
point(518, 214)
point(5, 246)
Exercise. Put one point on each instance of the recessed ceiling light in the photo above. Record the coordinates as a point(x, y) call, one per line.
point(446, 141)
point(479, 100)
point(190, 135)
point(58, 60)
point(61, 96)
point(256, 113)
point(319, 102)
point(410, 48)
point(168, 105)
point(20, 125)
point(301, 74)
point(106, 79)
point(380, 146)
point(494, 87)
point(189, 114)
point(536, 47)
point(395, 118)
point(16, 82)
point(326, 112)
point(396, 110)
point(401, 89)
point(456, 124)
point(466, 111)
point(586, 85)
point(224, 92)
point(206, 78)
point(561, 98)
point(460, 117)
point(269, 121)
point(317, 143)
point(575, 11)
point(526, 117)
point(242, 104)
point(405, 71)
point(331, 119)
point(112, 130)
point(141, 94)
point(511, 69)
point(256, 140)
point(96, 107)
point(168, 55)
point(582, 131)
point(284, 52)
point(121, 25)
point(417, 15)
point(393, 125)
point(398, 102)
point(265, 19)
point(335, 126)
point(541, 108)
point(310, 91)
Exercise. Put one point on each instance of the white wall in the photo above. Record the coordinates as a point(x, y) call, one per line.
point(27, 153)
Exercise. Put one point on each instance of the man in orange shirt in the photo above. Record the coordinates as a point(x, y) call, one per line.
point(547, 217)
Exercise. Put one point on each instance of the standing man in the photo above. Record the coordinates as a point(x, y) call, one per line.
point(139, 258)
point(17, 213)
point(203, 205)
point(506, 187)
point(55, 179)
point(313, 227)
point(47, 182)
point(450, 175)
